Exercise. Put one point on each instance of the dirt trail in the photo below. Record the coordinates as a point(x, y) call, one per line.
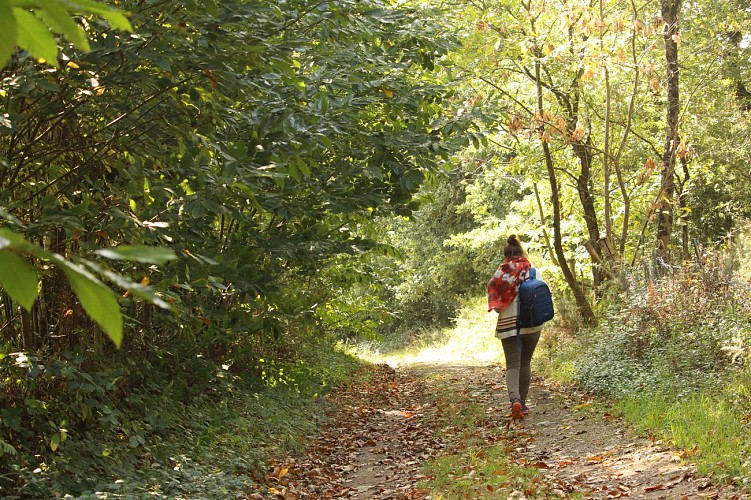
point(382, 431)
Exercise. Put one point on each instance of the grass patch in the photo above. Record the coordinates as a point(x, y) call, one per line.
point(710, 430)
point(472, 468)
point(480, 472)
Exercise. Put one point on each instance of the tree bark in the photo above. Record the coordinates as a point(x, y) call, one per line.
point(606, 138)
point(545, 235)
point(583, 152)
point(670, 12)
point(683, 201)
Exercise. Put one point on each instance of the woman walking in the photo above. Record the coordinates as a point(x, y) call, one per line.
point(503, 298)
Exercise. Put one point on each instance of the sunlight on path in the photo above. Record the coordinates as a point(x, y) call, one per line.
point(470, 341)
point(448, 354)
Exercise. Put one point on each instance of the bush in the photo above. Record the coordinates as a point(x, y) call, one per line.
point(673, 353)
point(143, 423)
point(685, 326)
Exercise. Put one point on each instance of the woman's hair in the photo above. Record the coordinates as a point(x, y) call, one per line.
point(513, 248)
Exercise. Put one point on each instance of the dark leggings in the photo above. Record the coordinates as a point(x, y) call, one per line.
point(518, 370)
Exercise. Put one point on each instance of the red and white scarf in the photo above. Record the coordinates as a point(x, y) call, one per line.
point(504, 285)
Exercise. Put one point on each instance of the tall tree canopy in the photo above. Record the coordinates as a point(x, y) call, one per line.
point(252, 138)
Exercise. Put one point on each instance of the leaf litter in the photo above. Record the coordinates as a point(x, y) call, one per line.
point(381, 430)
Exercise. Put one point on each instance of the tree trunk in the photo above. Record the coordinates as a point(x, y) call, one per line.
point(683, 201)
point(545, 235)
point(583, 152)
point(582, 303)
point(670, 12)
point(27, 331)
point(8, 318)
point(606, 138)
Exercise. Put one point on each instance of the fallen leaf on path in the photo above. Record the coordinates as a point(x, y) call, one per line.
point(655, 487)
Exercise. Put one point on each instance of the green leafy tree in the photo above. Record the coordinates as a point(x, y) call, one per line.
point(250, 164)
point(31, 26)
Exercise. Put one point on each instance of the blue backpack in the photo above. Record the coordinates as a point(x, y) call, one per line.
point(535, 301)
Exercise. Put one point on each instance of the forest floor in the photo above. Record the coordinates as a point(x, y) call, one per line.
point(386, 434)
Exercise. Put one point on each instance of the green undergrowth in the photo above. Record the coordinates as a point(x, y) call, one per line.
point(705, 427)
point(154, 427)
point(672, 358)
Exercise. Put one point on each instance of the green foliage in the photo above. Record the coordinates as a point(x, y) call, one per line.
point(150, 425)
point(145, 255)
point(672, 354)
point(680, 326)
point(228, 196)
point(20, 280)
point(257, 177)
point(425, 281)
point(32, 25)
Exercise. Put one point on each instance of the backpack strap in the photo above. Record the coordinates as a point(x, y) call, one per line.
point(532, 274)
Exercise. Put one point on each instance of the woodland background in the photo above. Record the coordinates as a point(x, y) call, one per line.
point(206, 205)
